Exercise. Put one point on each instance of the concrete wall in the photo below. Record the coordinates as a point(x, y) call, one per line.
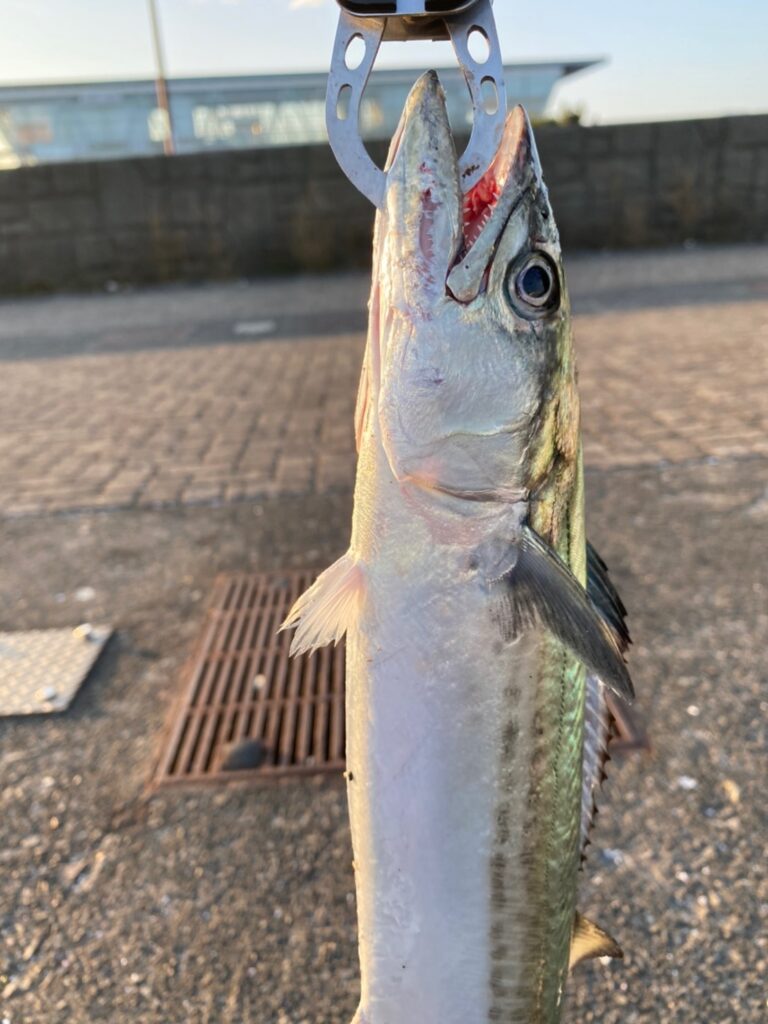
point(220, 215)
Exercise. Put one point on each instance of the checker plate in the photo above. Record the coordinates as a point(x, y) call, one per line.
point(41, 670)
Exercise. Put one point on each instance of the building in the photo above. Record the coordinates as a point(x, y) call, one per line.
point(104, 120)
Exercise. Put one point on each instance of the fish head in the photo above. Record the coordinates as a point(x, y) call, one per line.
point(469, 310)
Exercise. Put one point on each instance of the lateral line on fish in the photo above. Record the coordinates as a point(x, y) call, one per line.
point(558, 749)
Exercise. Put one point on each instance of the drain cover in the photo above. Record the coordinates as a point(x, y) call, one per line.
point(41, 670)
point(247, 710)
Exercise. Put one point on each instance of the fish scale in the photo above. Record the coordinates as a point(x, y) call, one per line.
point(464, 599)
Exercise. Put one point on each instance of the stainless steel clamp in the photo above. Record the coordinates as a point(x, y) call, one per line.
point(374, 22)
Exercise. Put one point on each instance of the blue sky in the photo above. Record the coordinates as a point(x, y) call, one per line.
point(667, 58)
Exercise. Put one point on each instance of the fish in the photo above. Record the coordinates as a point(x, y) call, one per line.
point(485, 640)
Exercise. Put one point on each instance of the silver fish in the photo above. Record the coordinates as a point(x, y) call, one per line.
point(482, 632)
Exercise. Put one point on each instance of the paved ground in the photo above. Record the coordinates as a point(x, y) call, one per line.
point(230, 906)
point(149, 399)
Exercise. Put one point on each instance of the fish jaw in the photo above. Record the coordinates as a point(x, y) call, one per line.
point(423, 205)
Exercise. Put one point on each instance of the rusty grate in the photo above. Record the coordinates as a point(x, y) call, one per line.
point(247, 710)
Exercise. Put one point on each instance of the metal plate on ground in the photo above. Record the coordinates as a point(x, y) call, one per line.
point(247, 710)
point(41, 670)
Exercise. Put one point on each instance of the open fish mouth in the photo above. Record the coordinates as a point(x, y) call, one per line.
point(489, 205)
point(482, 200)
point(424, 185)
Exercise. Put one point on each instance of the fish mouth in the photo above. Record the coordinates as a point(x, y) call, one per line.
point(425, 120)
point(489, 205)
point(440, 237)
point(507, 169)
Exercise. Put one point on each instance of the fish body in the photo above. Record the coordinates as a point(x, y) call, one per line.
point(471, 642)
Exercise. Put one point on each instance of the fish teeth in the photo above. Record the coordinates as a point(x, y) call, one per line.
point(477, 226)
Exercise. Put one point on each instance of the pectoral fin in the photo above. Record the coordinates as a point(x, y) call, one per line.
point(590, 941)
point(537, 586)
point(330, 606)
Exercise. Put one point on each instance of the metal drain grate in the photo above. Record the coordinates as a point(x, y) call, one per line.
point(248, 710)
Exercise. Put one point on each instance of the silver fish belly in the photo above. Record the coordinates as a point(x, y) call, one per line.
point(463, 784)
point(471, 639)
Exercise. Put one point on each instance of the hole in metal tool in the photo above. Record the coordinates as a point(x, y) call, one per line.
point(490, 96)
point(479, 45)
point(355, 53)
point(343, 102)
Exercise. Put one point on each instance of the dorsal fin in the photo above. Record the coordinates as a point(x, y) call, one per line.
point(607, 603)
point(606, 600)
point(605, 714)
point(330, 606)
point(598, 725)
point(589, 941)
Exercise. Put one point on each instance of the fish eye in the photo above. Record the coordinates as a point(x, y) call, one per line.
point(533, 287)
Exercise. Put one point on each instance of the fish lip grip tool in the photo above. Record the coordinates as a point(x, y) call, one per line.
point(375, 22)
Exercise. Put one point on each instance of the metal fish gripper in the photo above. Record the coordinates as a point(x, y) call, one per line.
point(374, 22)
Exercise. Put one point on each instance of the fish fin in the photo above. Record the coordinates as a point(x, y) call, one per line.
point(589, 941)
point(605, 598)
point(539, 587)
point(326, 611)
point(610, 726)
point(629, 731)
point(598, 726)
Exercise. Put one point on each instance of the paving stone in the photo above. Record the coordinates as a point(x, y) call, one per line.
point(201, 492)
point(668, 382)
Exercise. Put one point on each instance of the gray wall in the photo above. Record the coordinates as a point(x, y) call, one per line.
point(217, 215)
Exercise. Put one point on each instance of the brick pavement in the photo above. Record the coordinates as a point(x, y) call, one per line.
point(218, 423)
point(225, 422)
